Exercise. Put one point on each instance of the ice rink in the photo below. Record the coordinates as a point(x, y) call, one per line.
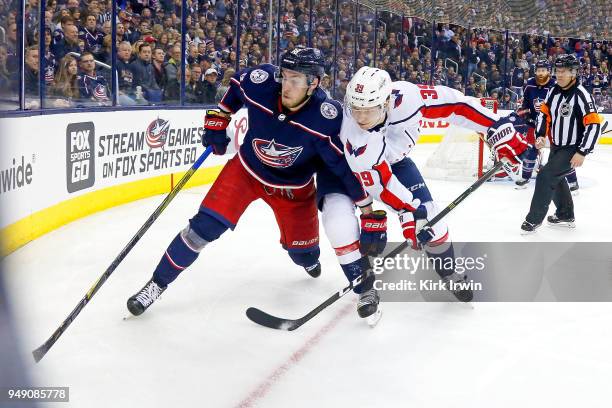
point(195, 347)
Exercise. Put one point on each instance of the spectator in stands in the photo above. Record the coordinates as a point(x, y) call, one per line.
point(65, 90)
point(30, 71)
point(92, 87)
point(211, 27)
point(210, 86)
point(124, 74)
point(58, 32)
point(69, 42)
point(225, 83)
point(11, 38)
point(172, 92)
point(50, 61)
point(173, 65)
point(159, 69)
point(91, 36)
point(6, 78)
point(144, 75)
point(194, 85)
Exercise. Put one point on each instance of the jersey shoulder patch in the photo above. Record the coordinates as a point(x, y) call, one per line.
point(258, 76)
point(329, 111)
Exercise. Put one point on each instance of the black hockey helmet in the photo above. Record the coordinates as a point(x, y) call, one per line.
point(567, 61)
point(542, 64)
point(308, 61)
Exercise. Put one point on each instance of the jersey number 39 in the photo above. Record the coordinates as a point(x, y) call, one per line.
point(365, 178)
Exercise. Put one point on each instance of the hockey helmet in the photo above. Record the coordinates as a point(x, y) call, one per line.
point(369, 87)
point(567, 61)
point(308, 61)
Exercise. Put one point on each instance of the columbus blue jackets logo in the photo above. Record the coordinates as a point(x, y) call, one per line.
point(157, 133)
point(355, 151)
point(537, 103)
point(100, 92)
point(275, 154)
point(258, 76)
point(328, 110)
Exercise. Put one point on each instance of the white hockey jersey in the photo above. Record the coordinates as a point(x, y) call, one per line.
point(370, 153)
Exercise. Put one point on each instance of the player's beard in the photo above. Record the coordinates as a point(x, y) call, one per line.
point(542, 79)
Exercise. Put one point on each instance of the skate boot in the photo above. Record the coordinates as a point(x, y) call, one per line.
point(561, 222)
point(528, 228)
point(521, 184)
point(457, 285)
point(574, 187)
point(138, 303)
point(314, 270)
point(367, 307)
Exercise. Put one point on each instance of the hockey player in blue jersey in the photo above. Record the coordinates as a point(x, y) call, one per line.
point(534, 94)
point(293, 131)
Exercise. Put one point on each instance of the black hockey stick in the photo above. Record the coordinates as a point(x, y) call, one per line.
point(264, 319)
point(40, 352)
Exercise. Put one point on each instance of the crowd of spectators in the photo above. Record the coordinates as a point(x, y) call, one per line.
point(78, 48)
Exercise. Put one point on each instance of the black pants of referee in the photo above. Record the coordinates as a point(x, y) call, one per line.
point(552, 186)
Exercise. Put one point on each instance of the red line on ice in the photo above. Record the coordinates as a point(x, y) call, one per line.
point(264, 387)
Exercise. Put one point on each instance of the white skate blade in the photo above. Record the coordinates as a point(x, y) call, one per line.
point(463, 305)
point(523, 187)
point(373, 319)
point(563, 225)
point(575, 193)
point(523, 232)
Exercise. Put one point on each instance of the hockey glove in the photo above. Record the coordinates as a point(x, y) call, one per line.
point(425, 235)
point(408, 224)
point(373, 233)
point(215, 125)
point(505, 140)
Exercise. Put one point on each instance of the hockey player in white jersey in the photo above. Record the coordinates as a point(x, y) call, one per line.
point(381, 126)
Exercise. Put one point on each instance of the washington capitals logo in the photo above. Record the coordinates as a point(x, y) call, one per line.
point(398, 98)
point(359, 88)
point(355, 152)
point(275, 154)
point(157, 133)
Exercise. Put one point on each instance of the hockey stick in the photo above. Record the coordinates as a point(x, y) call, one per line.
point(264, 319)
point(40, 352)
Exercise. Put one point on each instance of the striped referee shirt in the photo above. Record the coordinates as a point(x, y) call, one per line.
point(569, 117)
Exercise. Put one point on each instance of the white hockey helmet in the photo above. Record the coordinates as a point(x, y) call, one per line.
point(369, 87)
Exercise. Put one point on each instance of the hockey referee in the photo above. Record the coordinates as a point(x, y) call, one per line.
point(569, 118)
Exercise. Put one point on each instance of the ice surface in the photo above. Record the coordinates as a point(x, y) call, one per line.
point(195, 346)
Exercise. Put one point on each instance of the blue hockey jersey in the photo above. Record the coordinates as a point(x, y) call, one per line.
point(282, 148)
point(93, 87)
point(93, 40)
point(533, 96)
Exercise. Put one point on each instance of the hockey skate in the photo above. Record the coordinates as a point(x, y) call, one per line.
point(574, 187)
point(528, 228)
point(367, 307)
point(314, 270)
point(553, 220)
point(521, 184)
point(138, 303)
point(457, 285)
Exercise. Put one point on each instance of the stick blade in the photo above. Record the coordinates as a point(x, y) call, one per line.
point(264, 319)
point(40, 352)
